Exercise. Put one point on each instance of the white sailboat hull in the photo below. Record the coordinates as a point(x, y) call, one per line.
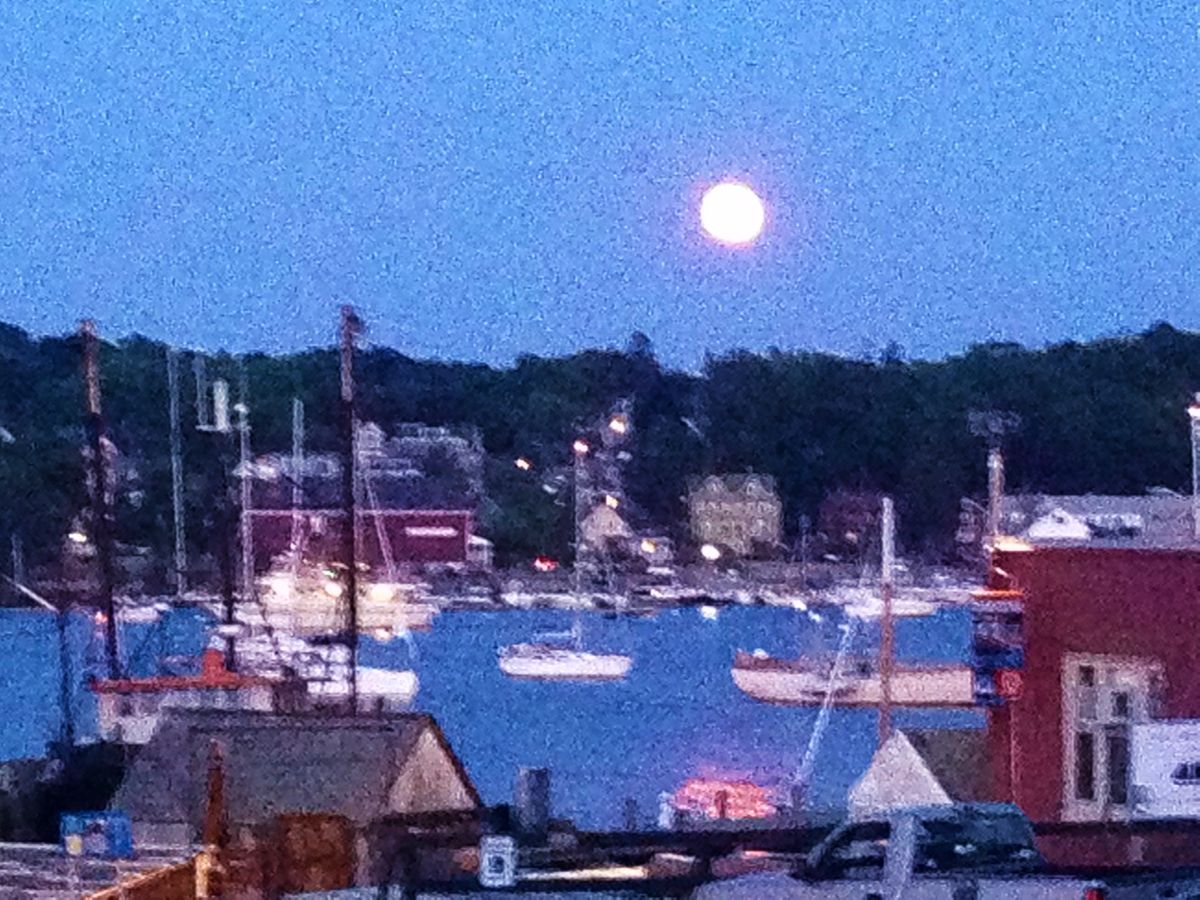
point(931, 687)
point(557, 664)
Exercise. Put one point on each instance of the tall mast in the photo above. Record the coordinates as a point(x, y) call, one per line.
point(247, 531)
point(351, 325)
point(887, 649)
point(101, 517)
point(297, 474)
point(176, 472)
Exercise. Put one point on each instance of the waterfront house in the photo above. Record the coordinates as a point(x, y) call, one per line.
point(736, 512)
point(362, 769)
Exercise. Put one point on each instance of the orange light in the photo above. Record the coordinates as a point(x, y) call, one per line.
point(611, 502)
point(714, 798)
point(523, 464)
point(580, 446)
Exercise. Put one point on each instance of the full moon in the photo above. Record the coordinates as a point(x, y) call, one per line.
point(732, 213)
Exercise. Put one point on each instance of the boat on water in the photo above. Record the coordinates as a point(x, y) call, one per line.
point(809, 681)
point(547, 661)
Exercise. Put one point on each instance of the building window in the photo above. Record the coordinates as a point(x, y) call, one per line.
point(1117, 739)
point(1087, 693)
point(1085, 766)
point(1120, 705)
point(1186, 773)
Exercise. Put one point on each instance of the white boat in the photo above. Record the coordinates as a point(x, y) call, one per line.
point(557, 662)
point(325, 669)
point(807, 682)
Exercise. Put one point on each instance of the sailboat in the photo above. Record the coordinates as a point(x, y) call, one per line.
point(847, 681)
point(547, 661)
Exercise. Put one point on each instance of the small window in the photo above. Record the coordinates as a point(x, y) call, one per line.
point(1120, 705)
point(1186, 773)
point(1118, 766)
point(1085, 766)
point(1087, 676)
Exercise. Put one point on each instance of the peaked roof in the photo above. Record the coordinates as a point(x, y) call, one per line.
point(1153, 520)
point(735, 482)
point(956, 757)
point(275, 764)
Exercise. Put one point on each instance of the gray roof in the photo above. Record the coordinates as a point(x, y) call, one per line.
point(1158, 520)
point(273, 764)
point(957, 758)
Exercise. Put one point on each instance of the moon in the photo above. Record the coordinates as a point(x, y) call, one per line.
point(732, 213)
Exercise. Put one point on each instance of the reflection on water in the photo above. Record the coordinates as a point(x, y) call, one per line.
point(677, 716)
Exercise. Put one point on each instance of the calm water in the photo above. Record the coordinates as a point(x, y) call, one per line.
point(678, 715)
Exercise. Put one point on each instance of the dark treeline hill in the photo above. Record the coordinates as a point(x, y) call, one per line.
point(1107, 416)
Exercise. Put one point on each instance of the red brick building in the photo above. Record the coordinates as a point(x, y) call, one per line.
point(1110, 639)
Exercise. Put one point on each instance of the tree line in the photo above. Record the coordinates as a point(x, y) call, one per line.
point(1106, 417)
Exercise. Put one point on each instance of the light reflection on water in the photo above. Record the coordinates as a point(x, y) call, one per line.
point(677, 716)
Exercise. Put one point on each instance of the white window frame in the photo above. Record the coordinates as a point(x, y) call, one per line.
point(1114, 675)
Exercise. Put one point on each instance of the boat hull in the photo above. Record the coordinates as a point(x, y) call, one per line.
point(935, 687)
point(571, 666)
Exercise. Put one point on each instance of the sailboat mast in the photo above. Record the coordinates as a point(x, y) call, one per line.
point(176, 472)
point(246, 529)
point(297, 474)
point(887, 640)
point(350, 327)
point(101, 518)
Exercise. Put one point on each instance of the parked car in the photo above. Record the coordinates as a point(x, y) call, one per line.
point(964, 852)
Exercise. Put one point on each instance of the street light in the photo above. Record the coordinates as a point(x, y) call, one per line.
point(1194, 417)
point(77, 537)
point(581, 447)
point(611, 502)
point(523, 464)
point(710, 552)
point(618, 424)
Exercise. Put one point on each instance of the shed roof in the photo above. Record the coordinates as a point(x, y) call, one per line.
point(275, 764)
point(957, 758)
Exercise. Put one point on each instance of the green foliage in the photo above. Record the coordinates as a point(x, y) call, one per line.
point(1101, 417)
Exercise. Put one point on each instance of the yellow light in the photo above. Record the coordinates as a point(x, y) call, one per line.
point(381, 593)
point(648, 546)
point(732, 213)
point(523, 464)
point(618, 425)
point(711, 553)
point(1011, 545)
point(611, 502)
point(77, 537)
point(333, 589)
point(580, 446)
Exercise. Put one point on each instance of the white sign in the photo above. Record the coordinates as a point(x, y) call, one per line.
point(497, 861)
point(431, 531)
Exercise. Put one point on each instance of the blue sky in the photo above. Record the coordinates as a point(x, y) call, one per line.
point(489, 178)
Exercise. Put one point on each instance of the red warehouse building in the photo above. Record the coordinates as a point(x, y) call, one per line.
point(1110, 641)
point(411, 537)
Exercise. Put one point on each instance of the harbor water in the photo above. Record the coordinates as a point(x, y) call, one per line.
point(677, 716)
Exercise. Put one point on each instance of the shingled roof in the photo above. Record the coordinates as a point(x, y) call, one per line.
point(276, 764)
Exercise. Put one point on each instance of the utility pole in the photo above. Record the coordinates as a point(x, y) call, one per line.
point(176, 472)
point(993, 426)
point(297, 476)
point(351, 327)
point(887, 639)
point(101, 515)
